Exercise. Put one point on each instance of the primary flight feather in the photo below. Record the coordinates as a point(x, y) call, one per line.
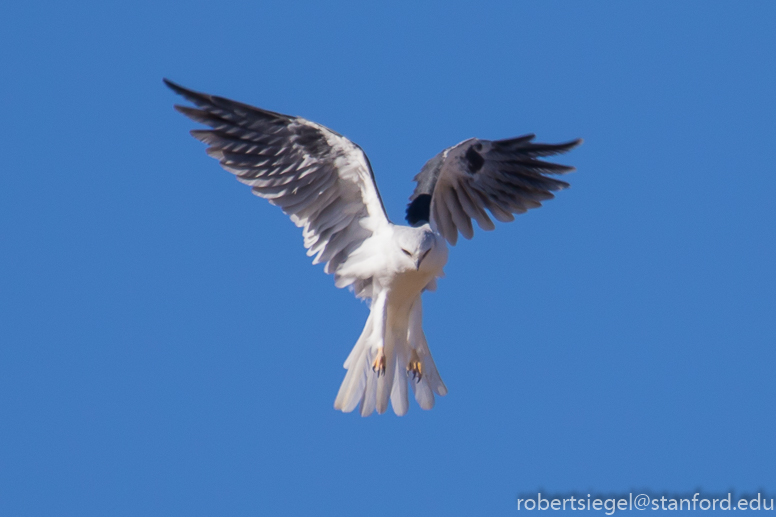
point(325, 184)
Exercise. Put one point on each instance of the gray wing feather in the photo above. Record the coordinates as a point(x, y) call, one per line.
point(322, 180)
point(505, 177)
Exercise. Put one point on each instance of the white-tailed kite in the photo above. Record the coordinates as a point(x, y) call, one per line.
point(324, 182)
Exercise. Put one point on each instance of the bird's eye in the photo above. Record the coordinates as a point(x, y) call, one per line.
point(406, 252)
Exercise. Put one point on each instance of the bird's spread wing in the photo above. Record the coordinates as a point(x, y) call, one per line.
point(505, 176)
point(322, 180)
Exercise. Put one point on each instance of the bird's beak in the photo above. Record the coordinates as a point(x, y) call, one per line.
point(419, 259)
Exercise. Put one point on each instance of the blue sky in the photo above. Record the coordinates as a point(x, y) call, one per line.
point(167, 348)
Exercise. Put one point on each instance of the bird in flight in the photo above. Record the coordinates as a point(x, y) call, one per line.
point(325, 184)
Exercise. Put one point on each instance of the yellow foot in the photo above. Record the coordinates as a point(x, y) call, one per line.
point(378, 366)
point(415, 367)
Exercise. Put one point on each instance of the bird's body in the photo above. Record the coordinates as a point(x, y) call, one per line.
point(324, 182)
point(403, 262)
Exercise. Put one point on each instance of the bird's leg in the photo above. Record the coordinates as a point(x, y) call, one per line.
point(378, 366)
point(415, 367)
point(379, 309)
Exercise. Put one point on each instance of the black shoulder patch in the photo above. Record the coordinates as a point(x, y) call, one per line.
point(476, 161)
point(312, 140)
point(419, 210)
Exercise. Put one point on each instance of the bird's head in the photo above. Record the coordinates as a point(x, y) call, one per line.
point(416, 243)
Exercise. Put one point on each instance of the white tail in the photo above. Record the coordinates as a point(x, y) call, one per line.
point(398, 337)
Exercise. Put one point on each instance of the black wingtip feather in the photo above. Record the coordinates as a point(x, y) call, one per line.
point(197, 115)
point(213, 103)
point(198, 98)
point(177, 88)
point(524, 145)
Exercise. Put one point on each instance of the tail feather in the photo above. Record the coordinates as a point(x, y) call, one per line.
point(369, 396)
point(360, 344)
point(399, 396)
point(385, 382)
point(431, 382)
point(432, 376)
point(353, 386)
point(358, 364)
point(423, 394)
point(362, 386)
